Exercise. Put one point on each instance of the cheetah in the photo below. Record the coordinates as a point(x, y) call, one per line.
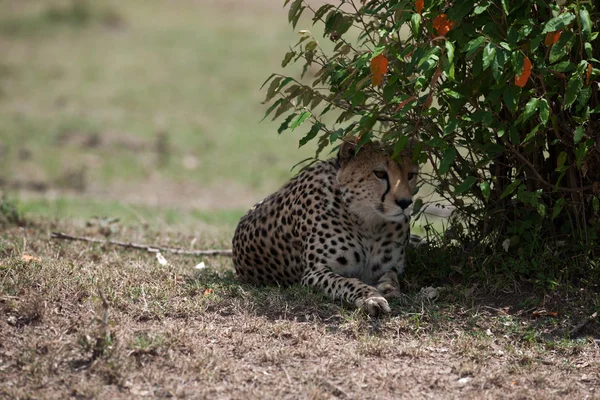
point(342, 225)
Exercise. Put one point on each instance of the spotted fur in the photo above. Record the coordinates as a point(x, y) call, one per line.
point(341, 225)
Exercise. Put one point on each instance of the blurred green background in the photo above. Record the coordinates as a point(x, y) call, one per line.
point(141, 109)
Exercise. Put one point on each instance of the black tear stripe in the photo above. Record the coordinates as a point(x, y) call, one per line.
point(387, 181)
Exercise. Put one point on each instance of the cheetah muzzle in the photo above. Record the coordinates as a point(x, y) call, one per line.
point(341, 225)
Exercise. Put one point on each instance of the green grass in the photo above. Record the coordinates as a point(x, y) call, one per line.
point(191, 70)
point(85, 209)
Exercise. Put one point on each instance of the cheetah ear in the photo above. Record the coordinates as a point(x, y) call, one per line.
point(346, 153)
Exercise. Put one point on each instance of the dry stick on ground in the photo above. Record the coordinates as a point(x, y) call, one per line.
point(149, 248)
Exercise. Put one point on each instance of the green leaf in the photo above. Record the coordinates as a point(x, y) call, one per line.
point(415, 22)
point(498, 65)
point(541, 209)
point(447, 160)
point(267, 80)
point(558, 206)
point(466, 185)
point(364, 139)
point(544, 111)
point(300, 119)
point(449, 50)
point(485, 189)
point(562, 47)
point(530, 108)
point(489, 51)
point(481, 7)
point(580, 153)
point(510, 188)
point(272, 107)
point(531, 134)
point(288, 57)
point(579, 132)
point(586, 24)
point(272, 88)
point(310, 46)
point(574, 85)
point(417, 205)
point(557, 23)
point(460, 9)
point(511, 97)
point(596, 204)
point(314, 130)
point(450, 126)
point(473, 45)
point(294, 8)
point(285, 124)
point(400, 146)
point(561, 159)
point(321, 12)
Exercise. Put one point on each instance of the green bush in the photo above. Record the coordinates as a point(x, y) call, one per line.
point(502, 94)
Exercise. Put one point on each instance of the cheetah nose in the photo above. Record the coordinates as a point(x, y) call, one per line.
point(404, 203)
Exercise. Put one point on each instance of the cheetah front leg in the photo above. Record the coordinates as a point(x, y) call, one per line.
point(350, 289)
point(388, 285)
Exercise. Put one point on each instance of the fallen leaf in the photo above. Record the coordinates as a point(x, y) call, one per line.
point(430, 292)
point(552, 37)
point(208, 292)
point(588, 74)
point(28, 258)
point(442, 24)
point(419, 4)
point(379, 65)
point(464, 380)
point(161, 259)
point(200, 266)
point(521, 79)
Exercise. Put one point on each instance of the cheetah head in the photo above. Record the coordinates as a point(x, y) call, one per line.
point(375, 186)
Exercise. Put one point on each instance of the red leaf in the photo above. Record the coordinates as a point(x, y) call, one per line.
point(419, 4)
point(442, 24)
point(521, 79)
point(379, 65)
point(552, 37)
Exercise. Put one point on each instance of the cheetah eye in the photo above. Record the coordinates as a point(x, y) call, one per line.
point(411, 176)
point(380, 174)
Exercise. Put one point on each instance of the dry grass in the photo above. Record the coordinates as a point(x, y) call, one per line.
point(91, 322)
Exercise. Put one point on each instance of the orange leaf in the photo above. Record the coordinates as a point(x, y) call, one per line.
point(208, 292)
point(379, 65)
point(419, 4)
point(442, 24)
point(28, 258)
point(552, 37)
point(588, 74)
point(521, 79)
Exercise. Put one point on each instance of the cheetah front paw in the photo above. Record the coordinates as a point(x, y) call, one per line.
point(389, 290)
point(374, 305)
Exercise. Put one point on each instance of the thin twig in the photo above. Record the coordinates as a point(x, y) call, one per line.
point(149, 248)
point(582, 324)
point(539, 177)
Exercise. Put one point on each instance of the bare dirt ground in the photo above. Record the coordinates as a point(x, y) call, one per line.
point(89, 321)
